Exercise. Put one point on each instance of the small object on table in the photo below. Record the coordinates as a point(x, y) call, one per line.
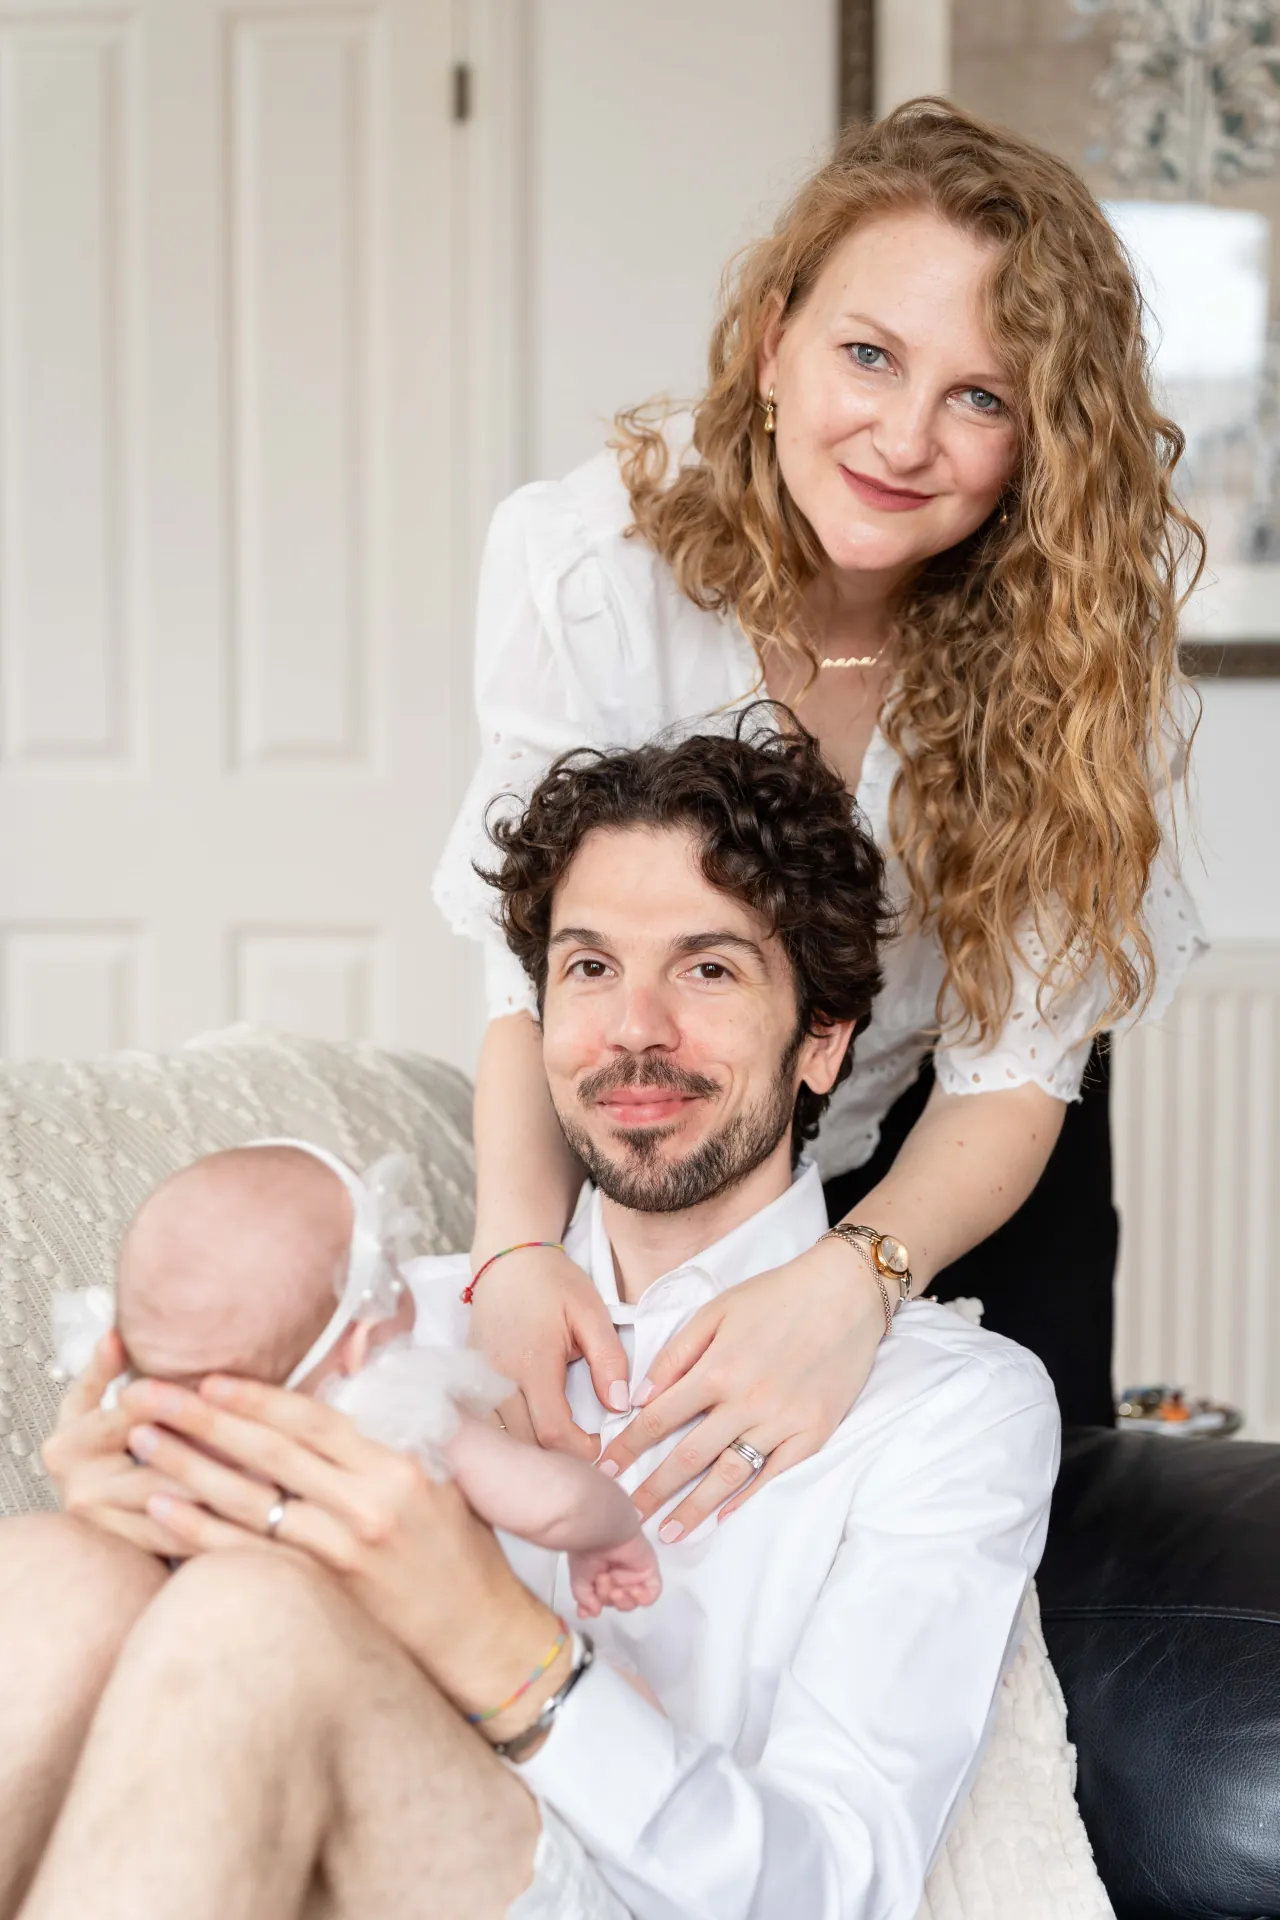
point(1169, 1410)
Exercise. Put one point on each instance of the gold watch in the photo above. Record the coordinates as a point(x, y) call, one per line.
point(890, 1256)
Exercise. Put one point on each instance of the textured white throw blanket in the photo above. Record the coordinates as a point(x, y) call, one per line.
point(1018, 1849)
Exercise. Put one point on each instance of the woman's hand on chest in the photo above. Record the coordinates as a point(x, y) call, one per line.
point(775, 1362)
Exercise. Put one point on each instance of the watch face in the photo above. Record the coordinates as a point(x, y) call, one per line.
point(892, 1254)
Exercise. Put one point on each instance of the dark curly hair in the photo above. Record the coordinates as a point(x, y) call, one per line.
point(777, 831)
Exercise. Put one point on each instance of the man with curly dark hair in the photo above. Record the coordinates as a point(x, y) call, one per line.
point(788, 1729)
point(661, 1122)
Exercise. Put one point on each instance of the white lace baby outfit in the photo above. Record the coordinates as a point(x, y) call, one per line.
point(584, 639)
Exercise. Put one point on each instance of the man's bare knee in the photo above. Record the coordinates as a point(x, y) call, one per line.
point(264, 1623)
point(69, 1597)
point(74, 1586)
point(230, 1683)
point(240, 1590)
point(269, 1640)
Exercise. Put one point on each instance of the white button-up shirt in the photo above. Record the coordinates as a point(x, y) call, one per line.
point(828, 1659)
point(584, 639)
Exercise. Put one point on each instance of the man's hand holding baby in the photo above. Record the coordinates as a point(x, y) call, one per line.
point(406, 1547)
point(88, 1459)
point(359, 1494)
point(322, 1421)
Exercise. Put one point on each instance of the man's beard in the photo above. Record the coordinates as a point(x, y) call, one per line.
point(640, 1179)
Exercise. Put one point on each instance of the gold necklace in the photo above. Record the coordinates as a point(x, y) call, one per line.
point(855, 660)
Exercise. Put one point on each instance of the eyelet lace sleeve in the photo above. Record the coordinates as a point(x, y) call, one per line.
point(1048, 1045)
point(542, 611)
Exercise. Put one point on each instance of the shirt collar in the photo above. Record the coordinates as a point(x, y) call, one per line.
point(787, 1227)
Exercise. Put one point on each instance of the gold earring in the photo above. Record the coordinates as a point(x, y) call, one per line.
point(770, 416)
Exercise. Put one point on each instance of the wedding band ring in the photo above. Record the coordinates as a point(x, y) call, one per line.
point(276, 1515)
point(754, 1459)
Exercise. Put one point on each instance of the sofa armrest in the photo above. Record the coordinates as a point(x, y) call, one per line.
point(1160, 1594)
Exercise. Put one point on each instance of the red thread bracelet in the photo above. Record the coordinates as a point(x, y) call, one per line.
point(468, 1292)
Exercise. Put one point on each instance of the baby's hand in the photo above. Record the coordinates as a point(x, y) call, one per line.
point(624, 1577)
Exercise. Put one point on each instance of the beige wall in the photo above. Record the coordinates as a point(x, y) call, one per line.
point(664, 135)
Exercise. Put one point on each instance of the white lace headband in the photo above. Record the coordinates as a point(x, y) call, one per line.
point(381, 1224)
point(371, 1287)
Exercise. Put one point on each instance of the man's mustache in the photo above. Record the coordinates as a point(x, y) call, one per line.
point(633, 1071)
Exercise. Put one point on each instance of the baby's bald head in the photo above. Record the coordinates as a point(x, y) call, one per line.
point(233, 1265)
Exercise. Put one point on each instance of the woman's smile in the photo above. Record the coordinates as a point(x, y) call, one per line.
point(886, 498)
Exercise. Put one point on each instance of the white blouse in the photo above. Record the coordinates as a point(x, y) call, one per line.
point(584, 639)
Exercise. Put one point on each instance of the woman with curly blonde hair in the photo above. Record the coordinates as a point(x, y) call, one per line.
point(926, 503)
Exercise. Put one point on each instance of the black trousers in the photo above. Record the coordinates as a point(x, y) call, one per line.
point(1047, 1276)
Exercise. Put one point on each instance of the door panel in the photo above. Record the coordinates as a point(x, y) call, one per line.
point(229, 643)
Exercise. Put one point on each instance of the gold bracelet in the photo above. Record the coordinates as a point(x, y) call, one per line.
point(851, 1240)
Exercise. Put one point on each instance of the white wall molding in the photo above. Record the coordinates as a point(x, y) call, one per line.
point(75, 989)
point(492, 215)
point(487, 409)
point(327, 981)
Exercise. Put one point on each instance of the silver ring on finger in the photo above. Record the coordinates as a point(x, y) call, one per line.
point(276, 1514)
point(753, 1457)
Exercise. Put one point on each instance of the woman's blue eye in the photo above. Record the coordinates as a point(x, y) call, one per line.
point(982, 401)
point(865, 355)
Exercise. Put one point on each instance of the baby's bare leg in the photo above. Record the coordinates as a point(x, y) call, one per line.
point(547, 1498)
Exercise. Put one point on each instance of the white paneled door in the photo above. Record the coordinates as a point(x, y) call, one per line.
point(232, 672)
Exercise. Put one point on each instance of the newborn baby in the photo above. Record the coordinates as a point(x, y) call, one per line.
point(233, 1266)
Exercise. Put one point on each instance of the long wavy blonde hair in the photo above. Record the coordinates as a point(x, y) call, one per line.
point(1032, 707)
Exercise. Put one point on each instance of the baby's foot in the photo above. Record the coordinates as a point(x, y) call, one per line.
point(622, 1577)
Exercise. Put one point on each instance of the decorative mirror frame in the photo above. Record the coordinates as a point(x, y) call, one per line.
point(857, 60)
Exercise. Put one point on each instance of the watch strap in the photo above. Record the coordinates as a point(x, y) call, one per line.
point(902, 1276)
point(850, 1240)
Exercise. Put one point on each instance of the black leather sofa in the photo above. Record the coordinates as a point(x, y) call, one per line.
point(1160, 1594)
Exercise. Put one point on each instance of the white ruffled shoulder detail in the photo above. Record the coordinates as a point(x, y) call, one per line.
point(582, 640)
